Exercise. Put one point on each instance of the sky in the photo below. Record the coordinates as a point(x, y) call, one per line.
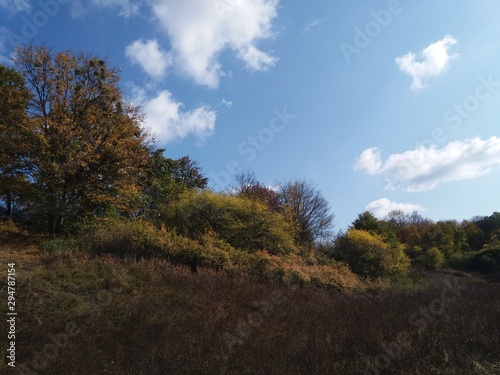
point(383, 105)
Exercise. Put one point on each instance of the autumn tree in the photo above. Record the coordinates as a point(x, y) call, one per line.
point(243, 223)
point(14, 98)
point(367, 254)
point(87, 147)
point(249, 186)
point(308, 209)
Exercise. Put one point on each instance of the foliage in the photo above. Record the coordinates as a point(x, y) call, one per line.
point(82, 148)
point(368, 255)
point(433, 258)
point(165, 179)
point(244, 223)
point(14, 98)
point(487, 261)
point(250, 187)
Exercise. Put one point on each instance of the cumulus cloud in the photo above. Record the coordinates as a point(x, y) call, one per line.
point(149, 56)
point(425, 168)
point(430, 62)
point(381, 207)
point(200, 30)
point(16, 5)
point(369, 161)
point(168, 121)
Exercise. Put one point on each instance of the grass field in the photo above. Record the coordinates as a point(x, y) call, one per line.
point(80, 314)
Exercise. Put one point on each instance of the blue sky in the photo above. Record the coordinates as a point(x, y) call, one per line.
point(383, 104)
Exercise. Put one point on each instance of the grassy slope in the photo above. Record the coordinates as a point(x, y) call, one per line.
point(150, 318)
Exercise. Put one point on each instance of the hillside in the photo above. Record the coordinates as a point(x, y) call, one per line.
point(85, 314)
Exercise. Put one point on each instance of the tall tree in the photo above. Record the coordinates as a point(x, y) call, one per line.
point(308, 209)
point(14, 98)
point(87, 145)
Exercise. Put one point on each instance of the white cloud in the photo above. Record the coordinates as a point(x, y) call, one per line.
point(167, 120)
point(430, 62)
point(200, 30)
point(369, 161)
point(425, 168)
point(16, 5)
point(381, 207)
point(151, 59)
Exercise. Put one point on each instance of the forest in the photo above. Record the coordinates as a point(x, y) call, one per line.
point(90, 203)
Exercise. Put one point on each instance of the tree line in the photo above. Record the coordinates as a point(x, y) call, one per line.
point(72, 149)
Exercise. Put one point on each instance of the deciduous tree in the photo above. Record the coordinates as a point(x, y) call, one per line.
point(14, 98)
point(308, 209)
point(87, 146)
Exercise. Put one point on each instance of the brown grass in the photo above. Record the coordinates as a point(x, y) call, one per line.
point(148, 317)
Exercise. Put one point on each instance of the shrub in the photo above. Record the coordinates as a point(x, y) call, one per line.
point(368, 255)
point(126, 238)
point(487, 261)
point(140, 239)
point(433, 258)
point(59, 245)
point(243, 223)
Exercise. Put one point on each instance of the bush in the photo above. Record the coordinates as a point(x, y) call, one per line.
point(433, 258)
point(243, 223)
point(139, 239)
point(126, 238)
point(368, 255)
point(487, 261)
point(60, 245)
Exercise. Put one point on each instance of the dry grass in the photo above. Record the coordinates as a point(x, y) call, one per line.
point(149, 317)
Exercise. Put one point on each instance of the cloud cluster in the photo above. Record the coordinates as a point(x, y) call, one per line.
point(168, 121)
point(200, 30)
point(149, 56)
point(381, 207)
point(425, 168)
point(430, 62)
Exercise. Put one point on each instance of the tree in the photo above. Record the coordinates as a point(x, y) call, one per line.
point(187, 172)
point(14, 98)
point(87, 148)
point(369, 255)
point(166, 179)
point(368, 222)
point(243, 223)
point(308, 209)
point(248, 186)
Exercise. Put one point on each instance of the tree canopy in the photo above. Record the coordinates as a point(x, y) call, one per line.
point(81, 147)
